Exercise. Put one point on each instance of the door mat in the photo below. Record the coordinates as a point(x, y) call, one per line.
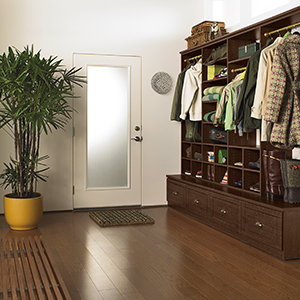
point(120, 217)
point(28, 271)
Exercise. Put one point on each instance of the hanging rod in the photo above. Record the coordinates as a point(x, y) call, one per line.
point(188, 59)
point(239, 69)
point(281, 29)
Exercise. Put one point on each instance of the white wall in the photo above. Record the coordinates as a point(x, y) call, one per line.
point(240, 13)
point(152, 29)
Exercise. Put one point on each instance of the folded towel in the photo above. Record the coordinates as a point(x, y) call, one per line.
point(213, 90)
point(210, 116)
point(210, 97)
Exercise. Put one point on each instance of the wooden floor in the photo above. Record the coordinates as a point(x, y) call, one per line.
point(176, 258)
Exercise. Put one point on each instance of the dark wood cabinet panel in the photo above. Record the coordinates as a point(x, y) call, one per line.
point(197, 204)
point(262, 225)
point(225, 213)
point(176, 195)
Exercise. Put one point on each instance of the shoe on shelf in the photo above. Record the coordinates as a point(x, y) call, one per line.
point(255, 165)
point(199, 174)
point(225, 178)
point(187, 172)
point(197, 156)
point(255, 188)
point(238, 183)
point(223, 73)
point(238, 164)
point(209, 175)
point(189, 152)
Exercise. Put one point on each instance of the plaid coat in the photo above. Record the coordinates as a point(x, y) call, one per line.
point(284, 94)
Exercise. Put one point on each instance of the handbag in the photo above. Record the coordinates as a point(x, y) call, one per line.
point(218, 135)
point(290, 173)
point(216, 54)
point(222, 156)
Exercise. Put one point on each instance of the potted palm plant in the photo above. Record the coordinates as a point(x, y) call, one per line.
point(34, 95)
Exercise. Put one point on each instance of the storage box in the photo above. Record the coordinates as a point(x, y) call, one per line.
point(200, 33)
point(196, 39)
point(205, 27)
point(214, 70)
point(248, 50)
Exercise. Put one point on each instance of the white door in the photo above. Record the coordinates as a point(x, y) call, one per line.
point(107, 138)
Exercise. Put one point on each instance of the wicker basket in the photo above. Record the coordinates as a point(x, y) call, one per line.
point(205, 27)
point(197, 39)
point(200, 33)
point(200, 38)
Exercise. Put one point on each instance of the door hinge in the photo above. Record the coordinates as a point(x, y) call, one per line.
point(73, 132)
point(73, 190)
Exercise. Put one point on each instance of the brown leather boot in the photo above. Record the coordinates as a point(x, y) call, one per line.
point(212, 173)
point(209, 172)
point(276, 185)
point(265, 158)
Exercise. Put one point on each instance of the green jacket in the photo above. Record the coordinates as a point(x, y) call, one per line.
point(176, 105)
point(230, 106)
point(248, 92)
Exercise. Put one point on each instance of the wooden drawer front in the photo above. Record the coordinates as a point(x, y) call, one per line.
point(175, 195)
point(262, 225)
point(198, 203)
point(226, 213)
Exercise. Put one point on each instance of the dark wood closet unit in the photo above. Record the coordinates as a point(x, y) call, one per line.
point(270, 225)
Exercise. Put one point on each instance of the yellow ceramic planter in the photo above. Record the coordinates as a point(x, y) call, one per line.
point(23, 214)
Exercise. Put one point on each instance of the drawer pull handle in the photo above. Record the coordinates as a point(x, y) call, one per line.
point(196, 201)
point(259, 224)
point(175, 193)
point(224, 211)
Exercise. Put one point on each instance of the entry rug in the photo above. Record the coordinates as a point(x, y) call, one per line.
point(120, 217)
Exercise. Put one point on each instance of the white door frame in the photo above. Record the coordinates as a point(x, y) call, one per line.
point(90, 198)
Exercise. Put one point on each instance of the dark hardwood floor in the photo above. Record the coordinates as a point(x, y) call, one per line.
point(176, 258)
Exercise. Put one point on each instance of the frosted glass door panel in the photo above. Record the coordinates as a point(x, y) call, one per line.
point(108, 93)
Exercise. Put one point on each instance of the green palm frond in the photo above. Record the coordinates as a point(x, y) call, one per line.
point(34, 94)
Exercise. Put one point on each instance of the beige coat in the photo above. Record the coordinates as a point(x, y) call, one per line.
point(262, 87)
point(192, 93)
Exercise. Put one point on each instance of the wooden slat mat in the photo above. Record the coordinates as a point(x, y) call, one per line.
point(28, 272)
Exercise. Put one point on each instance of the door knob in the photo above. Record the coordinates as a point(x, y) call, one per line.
point(137, 138)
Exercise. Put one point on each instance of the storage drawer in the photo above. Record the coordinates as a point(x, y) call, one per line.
point(262, 225)
point(198, 203)
point(175, 194)
point(226, 213)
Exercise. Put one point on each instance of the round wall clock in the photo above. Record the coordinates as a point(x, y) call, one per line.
point(161, 82)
